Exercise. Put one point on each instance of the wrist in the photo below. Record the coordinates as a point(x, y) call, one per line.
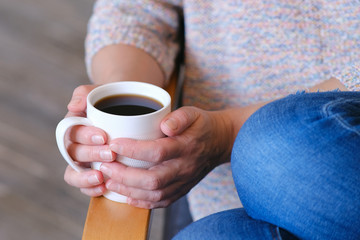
point(328, 85)
point(224, 134)
point(235, 118)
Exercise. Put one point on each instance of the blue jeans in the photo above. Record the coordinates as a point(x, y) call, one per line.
point(296, 166)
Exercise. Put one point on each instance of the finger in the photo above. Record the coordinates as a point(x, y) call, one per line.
point(145, 198)
point(151, 179)
point(177, 186)
point(158, 204)
point(86, 153)
point(75, 114)
point(87, 135)
point(94, 191)
point(78, 100)
point(86, 179)
point(176, 122)
point(146, 195)
point(151, 205)
point(156, 151)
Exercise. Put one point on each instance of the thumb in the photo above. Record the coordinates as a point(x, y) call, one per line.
point(78, 100)
point(178, 121)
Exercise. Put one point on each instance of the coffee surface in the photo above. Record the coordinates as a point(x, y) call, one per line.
point(128, 105)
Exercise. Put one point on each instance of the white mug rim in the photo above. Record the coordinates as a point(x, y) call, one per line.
point(91, 101)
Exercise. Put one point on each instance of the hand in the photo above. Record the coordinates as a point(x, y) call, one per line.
point(197, 142)
point(85, 145)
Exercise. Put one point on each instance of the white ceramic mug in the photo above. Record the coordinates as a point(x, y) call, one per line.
point(143, 127)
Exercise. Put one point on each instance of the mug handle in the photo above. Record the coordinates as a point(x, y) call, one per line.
point(61, 129)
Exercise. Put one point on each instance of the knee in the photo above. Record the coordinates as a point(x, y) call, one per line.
point(287, 155)
point(267, 134)
point(256, 154)
point(270, 149)
point(294, 129)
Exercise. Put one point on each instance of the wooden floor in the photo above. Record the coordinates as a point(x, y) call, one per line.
point(41, 62)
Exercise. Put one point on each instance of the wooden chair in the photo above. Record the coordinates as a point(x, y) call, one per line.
point(108, 220)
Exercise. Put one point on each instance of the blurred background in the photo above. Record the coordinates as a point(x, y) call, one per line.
point(41, 62)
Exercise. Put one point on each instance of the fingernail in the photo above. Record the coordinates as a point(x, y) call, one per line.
point(98, 139)
point(116, 148)
point(107, 171)
point(112, 186)
point(132, 201)
point(93, 179)
point(106, 154)
point(171, 123)
point(98, 190)
point(75, 101)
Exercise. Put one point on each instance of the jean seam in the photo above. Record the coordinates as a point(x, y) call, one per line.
point(275, 234)
point(327, 110)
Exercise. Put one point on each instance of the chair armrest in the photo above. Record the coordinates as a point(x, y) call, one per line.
point(108, 220)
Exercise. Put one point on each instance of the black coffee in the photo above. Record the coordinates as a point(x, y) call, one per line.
point(128, 105)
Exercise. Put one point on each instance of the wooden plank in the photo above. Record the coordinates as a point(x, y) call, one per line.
point(107, 220)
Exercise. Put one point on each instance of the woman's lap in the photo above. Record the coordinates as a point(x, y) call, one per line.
point(296, 165)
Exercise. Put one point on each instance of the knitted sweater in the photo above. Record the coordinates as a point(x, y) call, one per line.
point(236, 53)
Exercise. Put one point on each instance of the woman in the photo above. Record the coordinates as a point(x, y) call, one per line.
point(239, 56)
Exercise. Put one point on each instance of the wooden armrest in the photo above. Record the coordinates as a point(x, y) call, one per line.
point(108, 220)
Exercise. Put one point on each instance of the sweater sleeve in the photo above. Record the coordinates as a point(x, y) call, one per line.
point(149, 25)
point(350, 77)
